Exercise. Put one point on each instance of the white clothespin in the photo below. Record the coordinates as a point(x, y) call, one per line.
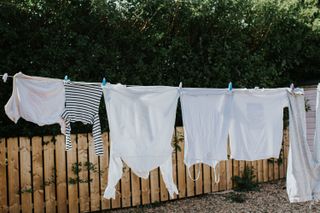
point(292, 87)
point(180, 85)
point(256, 88)
point(5, 77)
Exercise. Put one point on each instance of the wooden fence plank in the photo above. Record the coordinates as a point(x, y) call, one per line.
point(223, 176)
point(206, 179)
point(276, 169)
point(145, 189)
point(94, 176)
point(13, 174)
point(61, 174)
point(25, 173)
point(3, 176)
point(214, 184)
point(154, 183)
point(136, 192)
point(270, 167)
point(104, 166)
point(199, 181)
point(254, 165)
point(116, 203)
point(260, 171)
point(125, 187)
point(181, 167)
point(265, 171)
point(84, 166)
point(72, 177)
point(49, 173)
point(190, 182)
point(229, 174)
point(38, 183)
point(164, 196)
point(235, 170)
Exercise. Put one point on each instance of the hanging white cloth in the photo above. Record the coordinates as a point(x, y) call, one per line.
point(256, 127)
point(206, 117)
point(36, 99)
point(141, 121)
point(303, 173)
point(316, 144)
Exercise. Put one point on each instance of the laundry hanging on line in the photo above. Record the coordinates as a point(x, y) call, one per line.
point(82, 101)
point(303, 173)
point(141, 121)
point(36, 99)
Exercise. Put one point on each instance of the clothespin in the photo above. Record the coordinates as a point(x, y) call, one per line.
point(230, 86)
point(66, 79)
point(5, 77)
point(180, 85)
point(256, 88)
point(292, 87)
point(104, 81)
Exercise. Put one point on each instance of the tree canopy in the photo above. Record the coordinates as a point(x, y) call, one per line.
point(203, 43)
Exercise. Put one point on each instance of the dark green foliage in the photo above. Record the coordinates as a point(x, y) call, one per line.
point(263, 43)
point(245, 182)
point(78, 167)
point(236, 197)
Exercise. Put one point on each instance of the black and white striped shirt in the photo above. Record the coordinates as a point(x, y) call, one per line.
point(82, 104)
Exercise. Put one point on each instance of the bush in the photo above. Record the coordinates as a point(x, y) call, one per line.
point(264, 43)
point(245, 182)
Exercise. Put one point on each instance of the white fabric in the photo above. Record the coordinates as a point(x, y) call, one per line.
point(256, 128)
point(303, 173)
point(316, 146)
point(206, 117)
point(36, 99)
point(141, 122)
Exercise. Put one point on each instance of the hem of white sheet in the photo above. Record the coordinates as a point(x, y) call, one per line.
point(301, 199)
point(254, 159)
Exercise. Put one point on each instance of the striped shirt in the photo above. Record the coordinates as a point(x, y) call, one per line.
point(82, 104)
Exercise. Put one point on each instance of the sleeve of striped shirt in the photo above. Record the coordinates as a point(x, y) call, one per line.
point(96, 131)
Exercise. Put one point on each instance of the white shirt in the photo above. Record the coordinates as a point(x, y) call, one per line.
point(141, 121)
point(256, 127)
point(36, 99)
point(206, 117)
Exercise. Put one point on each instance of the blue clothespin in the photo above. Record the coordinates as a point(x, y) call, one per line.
point(66, 78)
point(230, 87)
point(104, 81)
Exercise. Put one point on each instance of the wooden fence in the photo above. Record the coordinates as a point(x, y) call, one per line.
point(37, 174)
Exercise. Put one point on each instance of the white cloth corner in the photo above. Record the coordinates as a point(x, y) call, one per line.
point(141, 121)
point(36, 99)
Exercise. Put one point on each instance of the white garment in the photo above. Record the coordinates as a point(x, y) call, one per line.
point(256, 127)
point(206, 118)
point(36, 99)
point(303, 173)
point(317, 131)
point(141, 121)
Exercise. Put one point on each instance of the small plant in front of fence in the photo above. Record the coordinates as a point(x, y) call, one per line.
point(78, 167)
point(236, 197)
point(245, 182)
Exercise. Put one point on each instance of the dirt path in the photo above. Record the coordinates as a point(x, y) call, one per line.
point(272, 197)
